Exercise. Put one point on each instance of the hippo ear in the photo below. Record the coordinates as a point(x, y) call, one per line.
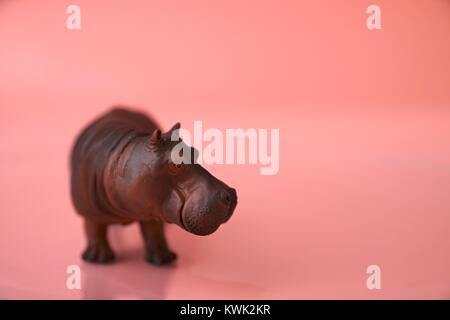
point(175, 132)
point(156, 137)
point(176, 126)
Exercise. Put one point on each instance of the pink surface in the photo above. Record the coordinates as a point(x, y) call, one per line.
point(364, 119)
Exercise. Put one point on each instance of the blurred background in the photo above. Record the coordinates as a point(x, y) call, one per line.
point(364, 119)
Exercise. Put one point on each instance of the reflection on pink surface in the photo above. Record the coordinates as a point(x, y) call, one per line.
point(364, 123)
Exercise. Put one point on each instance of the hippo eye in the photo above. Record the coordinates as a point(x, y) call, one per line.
point(175, 168)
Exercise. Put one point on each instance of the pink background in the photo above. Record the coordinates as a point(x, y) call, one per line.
point(364, 119)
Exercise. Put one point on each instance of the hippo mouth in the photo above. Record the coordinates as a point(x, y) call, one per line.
point(202, 220)
point(182, 198)
point(199, 224)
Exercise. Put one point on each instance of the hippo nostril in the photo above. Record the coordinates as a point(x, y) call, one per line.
point(233, 194)
point(225, 197)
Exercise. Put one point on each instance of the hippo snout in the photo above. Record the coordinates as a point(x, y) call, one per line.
point(203, 218)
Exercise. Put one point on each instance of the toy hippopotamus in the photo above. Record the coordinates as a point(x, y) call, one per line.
point(122, 171)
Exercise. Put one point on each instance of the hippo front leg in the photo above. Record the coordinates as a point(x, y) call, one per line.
point(156, 249)
point(98, 249)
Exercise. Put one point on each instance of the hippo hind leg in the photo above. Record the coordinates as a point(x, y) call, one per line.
point(156, 249)
point(98, 249)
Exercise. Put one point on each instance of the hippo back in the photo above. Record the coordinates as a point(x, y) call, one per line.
point(100, 141)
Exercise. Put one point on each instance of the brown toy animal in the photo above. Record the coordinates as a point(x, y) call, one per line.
point(122, 172)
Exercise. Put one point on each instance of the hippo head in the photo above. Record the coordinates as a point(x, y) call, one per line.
point(189, 195)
